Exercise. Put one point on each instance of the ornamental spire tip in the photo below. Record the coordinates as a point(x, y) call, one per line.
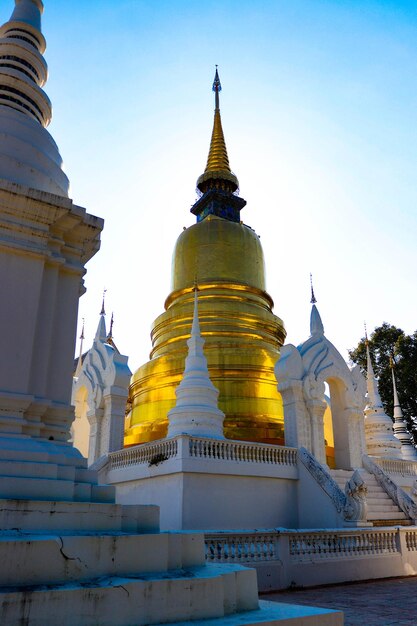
point(217, 87)
point(313, 297)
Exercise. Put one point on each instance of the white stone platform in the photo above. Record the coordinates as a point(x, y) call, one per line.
point(201, 483)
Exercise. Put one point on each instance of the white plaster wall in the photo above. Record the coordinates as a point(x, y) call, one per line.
point(238, 502)
point(18, 319)
point(197, 501)
point(164, 491)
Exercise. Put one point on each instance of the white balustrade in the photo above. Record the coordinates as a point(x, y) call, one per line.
point(241, 451)
point(324, 545)
point(397, 466)
point(201, 448)
point(411, 540)
point(241, 548)
point(256, 547)
point(151, 453)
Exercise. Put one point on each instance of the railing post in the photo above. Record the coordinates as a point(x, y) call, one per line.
point(401, 542)
point(282, 554)
point(183, 449)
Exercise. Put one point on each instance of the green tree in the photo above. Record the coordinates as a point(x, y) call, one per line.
point(389, 341)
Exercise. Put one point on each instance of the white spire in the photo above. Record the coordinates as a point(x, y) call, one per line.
point(80, 358)
point(29, 12)
point(379, 433)
point(408, 450)
point(28, 154)
point(374, 399)
point(196, 411)
point(316, 325)
point(101, 333)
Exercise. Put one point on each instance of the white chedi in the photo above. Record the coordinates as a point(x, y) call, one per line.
point(196, 411)
point(380, 440)
point(401, 432)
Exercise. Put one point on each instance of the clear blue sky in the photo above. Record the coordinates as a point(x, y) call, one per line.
point(319, 109)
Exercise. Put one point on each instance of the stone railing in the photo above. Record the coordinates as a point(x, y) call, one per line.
point(411, 540)
point(339, 544)
point(397, 466)
point(184, 446)
point(242, 547)
point(241, 451)
point(398, 495)
point(150, 453)
point(303, 558)
point(302, 546)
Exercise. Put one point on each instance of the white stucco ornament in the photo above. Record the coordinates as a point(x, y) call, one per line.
point(302, 373)
point(196, 411)
point(100, 392)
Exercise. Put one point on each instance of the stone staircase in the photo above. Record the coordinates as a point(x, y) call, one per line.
point(382, 511)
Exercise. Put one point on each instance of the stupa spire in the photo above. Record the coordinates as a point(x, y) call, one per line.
point(196, 411)
point(25, 109)
point(101, 333)
point(374, 399)
point(217, 173)
point(21, 47)
point(217, 185)
point(380, 438)
point(29, 12)
point(408, 450)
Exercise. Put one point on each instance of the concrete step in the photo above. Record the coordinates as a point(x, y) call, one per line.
point(383, 507)
point(194, 593)
point(42, 516)
point(380, 515)
point(29, 560)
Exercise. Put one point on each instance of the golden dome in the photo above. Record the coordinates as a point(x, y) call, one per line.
point(211, 251)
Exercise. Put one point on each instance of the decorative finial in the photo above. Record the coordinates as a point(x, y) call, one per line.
point(111, 326)
point(103, 310)
point(217, 87)
point(313, 297)
point(80, 358)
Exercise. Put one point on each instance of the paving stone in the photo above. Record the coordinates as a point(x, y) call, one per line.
point(388, 602)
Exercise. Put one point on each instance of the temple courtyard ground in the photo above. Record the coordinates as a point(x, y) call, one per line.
point(389, 602)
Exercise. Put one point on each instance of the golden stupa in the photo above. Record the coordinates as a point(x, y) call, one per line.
point(242, 335)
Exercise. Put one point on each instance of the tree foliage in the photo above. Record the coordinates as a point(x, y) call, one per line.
point(389, 341)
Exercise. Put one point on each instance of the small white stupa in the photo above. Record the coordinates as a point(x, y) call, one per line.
point(196, 411)
point(408, 450)
point(380, 438)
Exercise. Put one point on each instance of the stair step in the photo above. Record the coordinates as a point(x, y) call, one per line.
point(381, 508)
point(384, 507)
point(386, 516)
